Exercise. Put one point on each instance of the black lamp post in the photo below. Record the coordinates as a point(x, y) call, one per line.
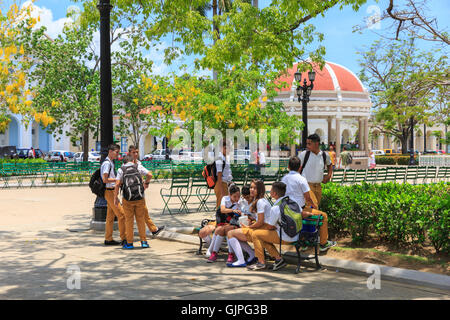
point(412, 162)
point(303, 93)
point(106, 120)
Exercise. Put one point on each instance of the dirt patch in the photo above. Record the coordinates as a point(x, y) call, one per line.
point(420, 259)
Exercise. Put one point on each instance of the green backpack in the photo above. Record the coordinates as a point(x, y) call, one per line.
point(291, 217)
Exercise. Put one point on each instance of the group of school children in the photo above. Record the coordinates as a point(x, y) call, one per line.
point(251, 218)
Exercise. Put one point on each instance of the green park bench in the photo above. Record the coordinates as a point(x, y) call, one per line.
point(309, 237)
point(179, 189)
point(421, 174)
point(200, 190)
point(431, 174)
point(411, 174)
point(338, 176)
point(360, 175)
point(372, 175)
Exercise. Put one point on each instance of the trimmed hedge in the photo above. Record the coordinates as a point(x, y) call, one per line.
point(398, 213)
point(392, 160)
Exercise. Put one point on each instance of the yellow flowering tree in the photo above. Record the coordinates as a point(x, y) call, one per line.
point(15, 62)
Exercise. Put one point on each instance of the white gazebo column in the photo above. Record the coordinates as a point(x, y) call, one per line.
point(366, 134)
point(338, 137)
point(360, 133)
point(329, 130)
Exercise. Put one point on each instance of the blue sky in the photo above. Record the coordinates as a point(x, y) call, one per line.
point(340, 42)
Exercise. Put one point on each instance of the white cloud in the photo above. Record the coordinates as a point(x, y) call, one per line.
point(54, 27)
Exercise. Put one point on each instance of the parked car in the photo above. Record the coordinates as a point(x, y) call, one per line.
point(242, 155)
point(8, 152)
point(389, 151)
point(92, 156)
point(378, 152)
point(159, 154)
point(55, 156)
point(23, 153)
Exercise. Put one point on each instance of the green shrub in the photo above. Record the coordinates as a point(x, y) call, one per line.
point(384, 160)
point(399, 213)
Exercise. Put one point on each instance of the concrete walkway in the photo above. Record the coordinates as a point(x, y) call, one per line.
point(40, 259)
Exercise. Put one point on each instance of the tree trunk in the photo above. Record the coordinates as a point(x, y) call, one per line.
point(86, 145)
point(215, 32)
point(255, 3)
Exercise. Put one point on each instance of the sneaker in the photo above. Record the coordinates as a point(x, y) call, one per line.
point(144, 244)
point(230, 257)
point(279, 264)
point(233, 265)
point(327, 245)
point(123, 242)
point(111, 243)
point(256, 266)
point(128, 246)
point(304, 248)
point(158, 231)
point(253, 261)
point(213, 257)
point(207, 254)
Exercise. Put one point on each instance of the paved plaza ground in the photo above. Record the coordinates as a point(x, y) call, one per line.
point(37, 250)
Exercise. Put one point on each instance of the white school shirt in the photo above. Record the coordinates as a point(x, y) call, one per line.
point(263, 206)
point(108, 167)
point(140, 169)
point(262, 158)
point(226, 172)
point(314, 170)
point(275, 220)
point(226, 201)
point(296, 187)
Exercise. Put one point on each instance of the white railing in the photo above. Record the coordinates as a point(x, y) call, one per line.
point(435, 160)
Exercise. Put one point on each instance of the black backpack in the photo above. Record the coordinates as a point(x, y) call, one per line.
point(132, 185)
point(96, 183)
point(305, 161)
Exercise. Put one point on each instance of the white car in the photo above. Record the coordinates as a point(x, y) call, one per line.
point(378, 152)
point(92, 156)
point(159, 154)
point(242, 155)
point(55, 156)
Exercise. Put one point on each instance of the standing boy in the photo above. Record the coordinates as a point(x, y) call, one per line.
point(224, 176)
point(133, 198)
point(108, 173)
point(313, 163)
point(134, 152)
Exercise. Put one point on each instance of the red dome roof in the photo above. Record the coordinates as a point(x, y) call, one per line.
point(330, 78)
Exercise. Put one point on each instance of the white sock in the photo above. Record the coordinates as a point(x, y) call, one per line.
point(230, 249)
point(246, 247)
point(234, 243)
point(217, 243)
point(207, 240)
point(208, 252)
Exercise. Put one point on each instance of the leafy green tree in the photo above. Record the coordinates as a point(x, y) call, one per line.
point(401, 79)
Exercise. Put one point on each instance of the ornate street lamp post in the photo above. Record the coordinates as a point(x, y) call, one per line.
point(303, 93)
point(106, 120)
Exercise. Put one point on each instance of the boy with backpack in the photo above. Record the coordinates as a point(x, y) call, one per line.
point(314, 161)
point(129, 177)
point(133, 151)
point(224, 176)
point(265, 239)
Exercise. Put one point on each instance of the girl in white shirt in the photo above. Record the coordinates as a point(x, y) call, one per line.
point(238, 238)
point(226, 219)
